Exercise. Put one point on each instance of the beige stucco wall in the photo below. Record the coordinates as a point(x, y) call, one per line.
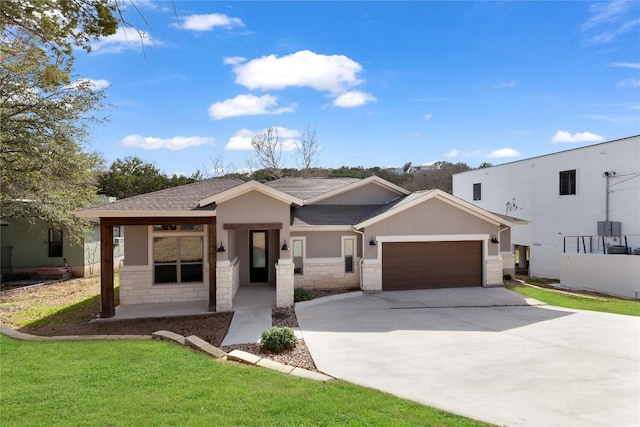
point(253, 207)
point(136, 249)
point(327, 244)
point(370, 194)
point(433, 217)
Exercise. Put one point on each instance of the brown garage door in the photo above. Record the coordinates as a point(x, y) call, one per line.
point(430, 265)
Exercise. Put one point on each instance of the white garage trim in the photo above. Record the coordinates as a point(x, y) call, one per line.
point(484, 238)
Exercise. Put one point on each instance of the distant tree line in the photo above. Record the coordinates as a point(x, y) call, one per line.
point(132, 176)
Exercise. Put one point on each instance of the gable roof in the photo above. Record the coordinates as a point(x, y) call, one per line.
point(357, 184)
point(418, 197)
point(248, 187)
point(307, 188)
point(175, 201)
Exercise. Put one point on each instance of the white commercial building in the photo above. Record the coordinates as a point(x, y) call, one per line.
point(581, 204)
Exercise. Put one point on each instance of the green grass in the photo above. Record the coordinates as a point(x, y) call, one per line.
point(604, 304)
point(152, 383)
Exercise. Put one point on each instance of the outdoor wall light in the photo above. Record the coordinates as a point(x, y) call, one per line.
point(221, 248)
point(372, 242)
point(285, 247)
point(494, 239)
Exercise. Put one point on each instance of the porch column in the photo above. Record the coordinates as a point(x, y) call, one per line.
point(107, 294)
point(212, 238)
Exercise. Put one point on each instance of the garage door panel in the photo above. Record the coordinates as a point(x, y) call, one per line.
point(426, 265)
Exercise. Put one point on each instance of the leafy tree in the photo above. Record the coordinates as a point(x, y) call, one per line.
point(44, 171)
point(440, 176)
point(59, 25)
point(485, 165)
point(132, 176)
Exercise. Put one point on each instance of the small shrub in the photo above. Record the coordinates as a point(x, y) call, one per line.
point(301, 294)
point(507, 277)
point(278, 339)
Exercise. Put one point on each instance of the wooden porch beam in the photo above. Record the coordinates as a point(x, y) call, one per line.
point(255, 226)
point(157, 220)
point(212, 239)
point(107, 294)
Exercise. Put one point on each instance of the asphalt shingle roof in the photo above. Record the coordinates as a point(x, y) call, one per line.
point(307, 188)
point(182, 198)
point(334, 214)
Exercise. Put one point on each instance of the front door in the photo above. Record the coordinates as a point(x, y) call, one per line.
point(259, 257)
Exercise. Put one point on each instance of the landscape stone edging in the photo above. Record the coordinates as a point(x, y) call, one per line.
point(191, 341)
point(29, 337)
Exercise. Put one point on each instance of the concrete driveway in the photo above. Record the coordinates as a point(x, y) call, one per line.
point(483, 353)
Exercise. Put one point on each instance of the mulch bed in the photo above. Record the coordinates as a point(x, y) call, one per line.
point(211, 328)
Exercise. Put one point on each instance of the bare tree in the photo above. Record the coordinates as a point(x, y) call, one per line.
point(307, 151)
point(216, 167)
point(268, 150)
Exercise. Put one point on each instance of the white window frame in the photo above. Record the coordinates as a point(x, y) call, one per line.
point(354, 255)
point(303, 239)
point(152, 233)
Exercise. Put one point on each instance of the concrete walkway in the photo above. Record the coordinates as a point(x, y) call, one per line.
point(252, 314)
point(483, 353)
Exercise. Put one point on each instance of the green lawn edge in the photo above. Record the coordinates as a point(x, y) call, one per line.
point(153, 383)
point(603, 304)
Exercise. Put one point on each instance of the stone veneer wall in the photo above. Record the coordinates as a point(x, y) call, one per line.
point(284, 284)
point(508, 263)
point(227, 284)
point(371, 276)
point(136, 287)
point(327, 275)
point(494, 271)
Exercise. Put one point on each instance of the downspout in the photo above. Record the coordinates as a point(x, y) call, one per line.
point(362, 258)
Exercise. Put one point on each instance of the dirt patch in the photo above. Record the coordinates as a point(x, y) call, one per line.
point(285, 316)
point(67, 308)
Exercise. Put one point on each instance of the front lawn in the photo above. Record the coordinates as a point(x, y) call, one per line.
point(601, 303)
point(152, 383)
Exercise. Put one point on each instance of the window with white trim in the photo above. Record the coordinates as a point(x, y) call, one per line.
point(298, 255)
point(348, 253)
point(178, 253)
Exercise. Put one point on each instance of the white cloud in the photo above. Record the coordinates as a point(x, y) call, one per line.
point(505, 85)
point(353, 99)
point(331, 73)
point(563, 136)
point(93, 83)
point(634, 65)
point(427, 116)
point(233, 60)
point(503, 153)
point(175, 143)
point(208, 22)
point(453, 153)
point(241, 141)
point(609, 20)
point(125, 38)
point(630, 83)
point(247, 105)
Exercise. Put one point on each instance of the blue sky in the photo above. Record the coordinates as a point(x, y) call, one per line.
point(382, 83)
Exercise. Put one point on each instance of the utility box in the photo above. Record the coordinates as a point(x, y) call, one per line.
point(609, 228)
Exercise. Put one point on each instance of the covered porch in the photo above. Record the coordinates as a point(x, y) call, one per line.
point(208, 272)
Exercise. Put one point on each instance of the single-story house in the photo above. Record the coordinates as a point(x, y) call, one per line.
point(36, 248)
point(203, 241)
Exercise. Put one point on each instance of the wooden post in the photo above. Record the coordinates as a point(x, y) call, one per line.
point(107, 294)
point(213, 240)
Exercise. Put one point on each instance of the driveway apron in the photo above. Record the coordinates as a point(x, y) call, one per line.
point(488, 354)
